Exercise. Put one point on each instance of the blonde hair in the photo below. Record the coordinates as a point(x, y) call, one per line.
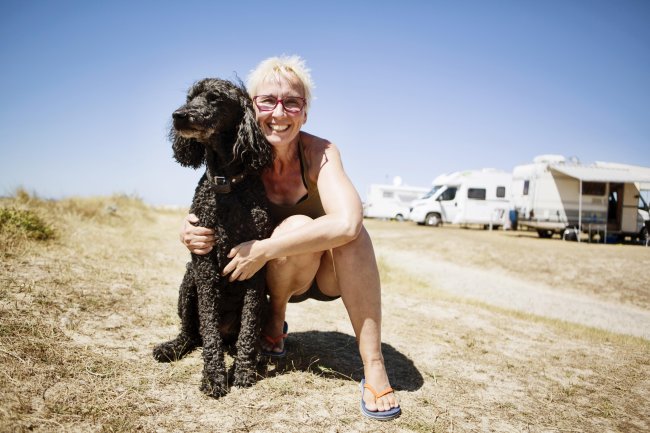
point(288, 67)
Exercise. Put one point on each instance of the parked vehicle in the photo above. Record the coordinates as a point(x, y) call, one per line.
point(465, 197)
point(391, 201)
point(554, 195)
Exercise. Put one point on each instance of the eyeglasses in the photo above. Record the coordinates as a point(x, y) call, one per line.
point(291, 104)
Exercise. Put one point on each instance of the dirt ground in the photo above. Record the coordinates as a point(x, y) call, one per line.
point(604, 286)
point(483, 331)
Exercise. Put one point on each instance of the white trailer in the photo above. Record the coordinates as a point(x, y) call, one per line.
point(556, 196)
point(465, 197)
point(391, 201)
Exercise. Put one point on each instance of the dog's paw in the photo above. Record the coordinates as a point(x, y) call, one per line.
point(214, 388)
point(245, 378)
point(175, 349)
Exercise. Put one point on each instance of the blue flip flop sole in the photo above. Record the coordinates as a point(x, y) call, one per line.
point(385, 415)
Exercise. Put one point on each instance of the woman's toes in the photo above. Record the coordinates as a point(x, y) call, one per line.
point(371, 404)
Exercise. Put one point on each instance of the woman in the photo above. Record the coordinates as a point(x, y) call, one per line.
point(320, 249)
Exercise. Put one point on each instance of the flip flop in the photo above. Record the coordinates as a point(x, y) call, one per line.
point(274, 341)
point(383, 415)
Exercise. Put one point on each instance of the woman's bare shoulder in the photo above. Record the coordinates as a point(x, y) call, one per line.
point(316, 147)
point(318, 152)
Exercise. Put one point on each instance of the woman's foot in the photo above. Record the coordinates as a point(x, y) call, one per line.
point(273, 342)
point(376, 377)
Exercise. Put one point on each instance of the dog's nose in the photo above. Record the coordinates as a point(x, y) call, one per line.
point(180, 114)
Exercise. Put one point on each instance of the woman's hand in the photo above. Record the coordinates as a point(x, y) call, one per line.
point(198, 240)
point(247, 259)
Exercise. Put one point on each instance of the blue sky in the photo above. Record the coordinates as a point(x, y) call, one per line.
point(410, 88)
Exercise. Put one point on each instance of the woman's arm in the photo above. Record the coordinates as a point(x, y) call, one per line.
point(343, 211)
point(341, 223)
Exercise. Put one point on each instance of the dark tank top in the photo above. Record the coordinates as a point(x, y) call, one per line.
point(309, 205)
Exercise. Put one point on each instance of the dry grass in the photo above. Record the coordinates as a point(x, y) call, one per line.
point(609, 272)
point(81, 310)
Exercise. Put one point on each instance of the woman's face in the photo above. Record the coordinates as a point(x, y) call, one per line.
point(279, 126)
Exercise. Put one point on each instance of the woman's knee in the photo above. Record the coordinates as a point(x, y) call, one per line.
point(297, 261)
point(295, 271)
point(291, 223)
point(361, 246)
point(293, 264)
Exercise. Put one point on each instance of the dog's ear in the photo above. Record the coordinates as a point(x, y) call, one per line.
point(187, 151)
point(251, 146)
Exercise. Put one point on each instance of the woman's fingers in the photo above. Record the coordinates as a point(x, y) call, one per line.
point(191, 218)
point(197, 239)
point(201, 251)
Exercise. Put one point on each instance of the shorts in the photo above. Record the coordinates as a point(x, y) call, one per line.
point(312, 293)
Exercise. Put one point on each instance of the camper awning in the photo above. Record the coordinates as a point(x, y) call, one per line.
point(601, 174)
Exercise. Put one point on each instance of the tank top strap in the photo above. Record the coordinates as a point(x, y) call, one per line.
point(309, 205)
point(309, 184)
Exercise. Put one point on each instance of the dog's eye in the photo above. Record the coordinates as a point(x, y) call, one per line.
point(211, 97)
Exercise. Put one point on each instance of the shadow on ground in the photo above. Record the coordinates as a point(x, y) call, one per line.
point(334, 354)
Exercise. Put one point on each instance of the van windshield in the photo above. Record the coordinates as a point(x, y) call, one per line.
point(433, 191)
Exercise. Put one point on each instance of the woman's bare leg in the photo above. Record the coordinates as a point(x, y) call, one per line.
point(358, 278)
point(286, 277)
point(349, 271)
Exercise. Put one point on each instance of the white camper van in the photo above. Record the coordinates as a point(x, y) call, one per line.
point(554, 195)
point(465, 197)
point(391, 201)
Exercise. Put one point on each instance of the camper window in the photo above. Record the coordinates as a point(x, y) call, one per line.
point(476, 193)
point(501, 191)
point(387, 194)
point(526, 185)
point(448, 194)
point(407, 198)
point(593, 188)
point(432, 192)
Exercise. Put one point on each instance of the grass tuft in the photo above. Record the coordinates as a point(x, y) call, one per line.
point(18, 222)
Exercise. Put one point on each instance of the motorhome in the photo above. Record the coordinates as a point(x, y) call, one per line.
point(465, 197)
point(391, 201)
point(554, 195)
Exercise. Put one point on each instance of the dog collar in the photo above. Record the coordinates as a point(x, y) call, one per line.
point(223, 184)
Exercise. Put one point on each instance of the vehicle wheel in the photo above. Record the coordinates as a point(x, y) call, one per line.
point(399, 217)
point(545, 234)
point(432, 219)
point(570, 234)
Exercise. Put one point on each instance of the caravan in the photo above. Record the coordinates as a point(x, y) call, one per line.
point(391, 201)
point(467, 197)
point(556, 196)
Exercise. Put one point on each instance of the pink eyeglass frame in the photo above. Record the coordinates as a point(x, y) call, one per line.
point(280, 101)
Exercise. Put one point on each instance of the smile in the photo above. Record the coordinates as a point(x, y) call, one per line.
point(279, 128)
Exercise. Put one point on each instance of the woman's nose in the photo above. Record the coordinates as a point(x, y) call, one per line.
point(279, 109)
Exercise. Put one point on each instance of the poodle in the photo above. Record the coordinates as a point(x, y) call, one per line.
point(217, 127)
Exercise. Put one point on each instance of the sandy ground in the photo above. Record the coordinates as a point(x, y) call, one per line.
point(483, 332)
point(495, 288)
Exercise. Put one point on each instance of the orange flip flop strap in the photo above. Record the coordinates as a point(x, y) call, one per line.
point(378, 394)
point(276, 339)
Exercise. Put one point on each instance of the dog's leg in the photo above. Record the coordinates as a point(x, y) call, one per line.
point(189, 338)
point(247, 343)
point(208, 280)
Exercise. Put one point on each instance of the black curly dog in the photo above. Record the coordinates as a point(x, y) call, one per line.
point(217, 127)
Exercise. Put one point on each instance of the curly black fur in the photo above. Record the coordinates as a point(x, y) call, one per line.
point(217, 127)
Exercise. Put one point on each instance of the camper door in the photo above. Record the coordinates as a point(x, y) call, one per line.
point(448, 200)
